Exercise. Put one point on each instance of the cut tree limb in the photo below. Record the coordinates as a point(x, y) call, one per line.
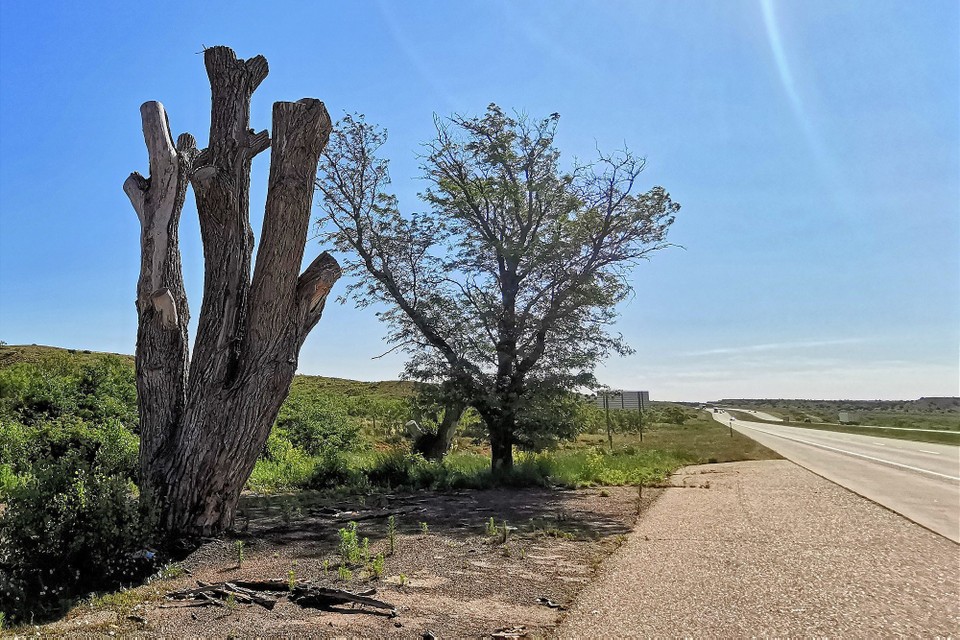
point(162, 340)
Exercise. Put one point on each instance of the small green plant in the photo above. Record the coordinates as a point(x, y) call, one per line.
point(3, 619)
point(424, 528)
point(559, 534)
point(402, 579)
point(365, 551)
point(344, 573)
point(523, 553)
point(238, 545)
point(231, 601)
point(291, 580)
point(505, 533)
point(171, 571)
point(326, 567)
point(491, 528)
point(351, 551)
point(377, 566)
point(392, 533)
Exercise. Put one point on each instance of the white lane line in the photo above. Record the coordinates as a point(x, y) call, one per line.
point(936, 453)
point(879, 444)
point(855, 454)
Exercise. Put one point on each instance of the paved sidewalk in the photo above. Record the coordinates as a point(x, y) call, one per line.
point(770, 549)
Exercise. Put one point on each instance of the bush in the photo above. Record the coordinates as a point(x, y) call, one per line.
point(395, 468)
point(282, 466)
point(317, 424)
point(70, 526)
point(97, 391)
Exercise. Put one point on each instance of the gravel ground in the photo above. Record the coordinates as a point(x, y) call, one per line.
point(457, 580)
point(769, 549)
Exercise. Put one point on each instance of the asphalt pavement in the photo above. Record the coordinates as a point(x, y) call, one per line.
point(918, 480)
point(769, 549)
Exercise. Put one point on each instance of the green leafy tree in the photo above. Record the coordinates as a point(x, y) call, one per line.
point(505, 287)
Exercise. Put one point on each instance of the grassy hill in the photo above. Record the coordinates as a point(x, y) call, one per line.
point(11, 354)
point(44, 355)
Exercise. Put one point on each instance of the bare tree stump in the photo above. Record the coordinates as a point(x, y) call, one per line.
point(204, 419)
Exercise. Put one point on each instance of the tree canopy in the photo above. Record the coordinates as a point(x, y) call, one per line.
point(506, 285)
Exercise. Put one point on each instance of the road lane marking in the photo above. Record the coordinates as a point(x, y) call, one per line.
point(879, 444)
point(936, 453)
point(855, 454)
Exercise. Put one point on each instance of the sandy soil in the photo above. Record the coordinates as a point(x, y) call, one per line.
point(455, 580)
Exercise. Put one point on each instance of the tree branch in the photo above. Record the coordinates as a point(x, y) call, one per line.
point(301, 130)
point(163, 313)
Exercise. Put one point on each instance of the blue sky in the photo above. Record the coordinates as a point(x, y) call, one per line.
point(814, 146)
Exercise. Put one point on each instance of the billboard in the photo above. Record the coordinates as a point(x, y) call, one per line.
point(635, 400)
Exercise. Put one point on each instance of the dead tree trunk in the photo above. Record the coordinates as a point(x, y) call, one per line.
point(204, 420)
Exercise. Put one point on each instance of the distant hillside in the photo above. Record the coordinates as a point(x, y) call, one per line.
point(924, 405)
point(39, 354)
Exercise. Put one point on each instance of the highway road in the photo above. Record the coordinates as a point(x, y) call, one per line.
point(918, 480)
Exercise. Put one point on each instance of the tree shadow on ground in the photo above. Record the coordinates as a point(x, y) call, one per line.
point(311, 519)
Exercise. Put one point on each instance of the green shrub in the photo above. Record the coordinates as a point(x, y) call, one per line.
point(318, 424)
point(68, 457)
point(70, 526)
point(9, 479)
point(15, 442)
point(282, 467)
point(97, 391)
point(395, 468)
point(332, 469)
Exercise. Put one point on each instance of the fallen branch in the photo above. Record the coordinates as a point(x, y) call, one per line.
point(251, 595)
point(253, 591)
point(547, 602)
point(323, 597)
point(357, 516)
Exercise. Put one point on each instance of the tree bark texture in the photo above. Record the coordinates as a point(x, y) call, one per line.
point(205, 420)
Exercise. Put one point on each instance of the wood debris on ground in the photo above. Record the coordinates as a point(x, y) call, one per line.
point(267, 593)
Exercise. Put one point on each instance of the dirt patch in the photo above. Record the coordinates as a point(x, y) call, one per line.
point(450, 577)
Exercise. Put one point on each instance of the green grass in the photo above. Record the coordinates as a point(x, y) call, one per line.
point(582, 463)
point(293, 471)
point(940, 413)
point(938, 421)
point(698, 441)
point(585, 462)
point(941, 437)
